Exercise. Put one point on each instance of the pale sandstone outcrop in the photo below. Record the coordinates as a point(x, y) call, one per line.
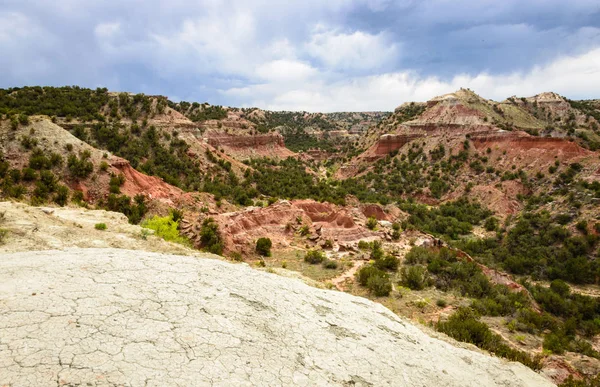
point(121, 317)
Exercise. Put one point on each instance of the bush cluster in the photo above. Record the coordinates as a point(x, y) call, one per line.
point(210, 237)
point(263, 247)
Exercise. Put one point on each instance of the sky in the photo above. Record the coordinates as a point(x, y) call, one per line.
point(313, 55)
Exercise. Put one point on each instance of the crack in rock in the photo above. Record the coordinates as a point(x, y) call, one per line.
point(110, 317)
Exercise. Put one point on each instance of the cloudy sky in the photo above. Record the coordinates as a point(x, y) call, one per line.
point(315, 55)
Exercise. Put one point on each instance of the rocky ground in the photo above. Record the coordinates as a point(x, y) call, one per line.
point(45, 228)
point(124, 317)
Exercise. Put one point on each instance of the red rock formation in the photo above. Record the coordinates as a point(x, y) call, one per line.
point(242, 146)
point(316, 154)
point(138, 183)
point(523, 142)
point(391, 142)
point(330, 214)
point(375, 211)
point(280, 221)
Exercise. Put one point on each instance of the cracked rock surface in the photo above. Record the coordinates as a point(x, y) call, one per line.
point(97, 317)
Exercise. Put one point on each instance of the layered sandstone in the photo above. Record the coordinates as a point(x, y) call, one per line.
point(280, 221)
point(246, 146)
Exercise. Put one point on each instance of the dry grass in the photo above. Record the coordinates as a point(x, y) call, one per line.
point(294, 260)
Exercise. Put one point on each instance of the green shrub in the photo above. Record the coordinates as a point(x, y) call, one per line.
point(116, 181)
point(62, 195)
point(176, 214)
point(414, 277)
point(387, 262)
point(122, 203)
point(441, 303)
point(364, 245)
point(365, 272)
point(29, 174)
point(14, 175)
point(419, 255)
point(28, 142)
point(330, 264)
point(235, 256)
point(464, 325)
point(396, 231)
point(100, 226)
point(56, 160)
point(38, 160)
point(380, 285)
point(556, 343)
point(15, 191)
point(314, 257)
point(591, 381)
point(48, 179)
point(166, 228)
point(376, 250)
point(210, 237)
point(80, 167)
point(491, 224)
point(371, 223)
point(304, 230)
point(582, 226)
point(375, 280)
point(78, 197)
point(23, 119)
point(263, 247)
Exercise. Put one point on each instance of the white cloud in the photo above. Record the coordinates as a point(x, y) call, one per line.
point(312, 54)
point(285, 70)
point(358, 50)
point(107, 30)
point(579, 75)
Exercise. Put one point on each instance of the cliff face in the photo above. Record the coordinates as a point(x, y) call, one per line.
point(521, 141)
point(391, 142)
point(452, 118)
point(122, 317)
point(325, 221)
point(245, 146)
point(139, 183)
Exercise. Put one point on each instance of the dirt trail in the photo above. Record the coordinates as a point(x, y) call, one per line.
point(348, 274)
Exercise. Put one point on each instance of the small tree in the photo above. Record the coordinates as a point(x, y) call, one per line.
point(371, 223)
point(381, 286)
point(210, 238)
point(263, 247)
point(387, 262)
point(80, 167)
point(62, 195)
point(396, 232)
point(375, 280)
point(377, 250)
point(314, 257)
point(414, 277)
point(491, 224)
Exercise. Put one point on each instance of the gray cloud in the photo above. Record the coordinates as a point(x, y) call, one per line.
point(299, 54)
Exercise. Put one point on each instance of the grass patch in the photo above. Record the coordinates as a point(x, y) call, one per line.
point(166, 228)
point(100, 226)
point(294, 260)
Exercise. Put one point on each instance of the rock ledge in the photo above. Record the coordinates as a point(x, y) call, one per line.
point(121, 317)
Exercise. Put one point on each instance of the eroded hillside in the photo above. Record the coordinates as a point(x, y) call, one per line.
point(475, 217)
